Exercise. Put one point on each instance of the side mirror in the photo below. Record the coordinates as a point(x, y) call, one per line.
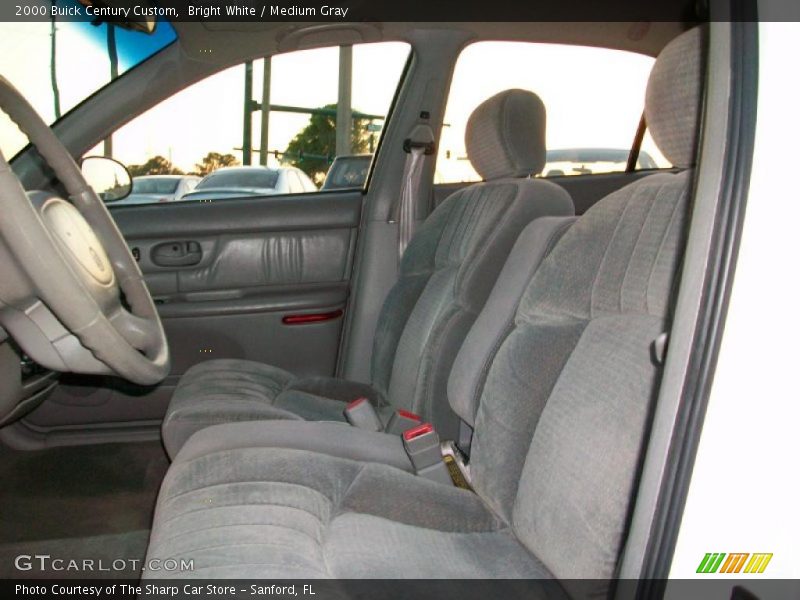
point(109, 178)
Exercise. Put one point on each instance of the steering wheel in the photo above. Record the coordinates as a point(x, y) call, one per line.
point(71, 294)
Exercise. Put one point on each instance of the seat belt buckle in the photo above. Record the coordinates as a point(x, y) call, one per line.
point(402, 420)
point(425, 453)
point(360, 413)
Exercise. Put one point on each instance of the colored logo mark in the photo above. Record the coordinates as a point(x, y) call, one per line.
point(737, 562)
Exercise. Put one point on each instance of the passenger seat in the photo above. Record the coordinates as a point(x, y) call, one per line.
point(445, 277)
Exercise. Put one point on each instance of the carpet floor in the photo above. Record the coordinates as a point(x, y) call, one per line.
point(83, 502)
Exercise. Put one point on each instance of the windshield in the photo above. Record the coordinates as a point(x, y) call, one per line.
point(257, 178)
point(145, 185)
point(58, 63)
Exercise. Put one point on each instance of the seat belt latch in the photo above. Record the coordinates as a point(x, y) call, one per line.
point(402, 420)
point(424, 450)
point(360, 413)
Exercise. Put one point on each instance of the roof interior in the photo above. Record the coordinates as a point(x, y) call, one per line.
point(226, 43)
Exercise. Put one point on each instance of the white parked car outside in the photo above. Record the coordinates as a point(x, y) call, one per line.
point(241, 182)
point(159, 188)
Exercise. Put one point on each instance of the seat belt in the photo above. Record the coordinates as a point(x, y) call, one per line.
point(418, 145)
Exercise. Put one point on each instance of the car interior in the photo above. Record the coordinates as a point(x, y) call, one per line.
point(412, 379)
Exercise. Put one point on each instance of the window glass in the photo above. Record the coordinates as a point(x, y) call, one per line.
point(200, 131)
point(594, 99)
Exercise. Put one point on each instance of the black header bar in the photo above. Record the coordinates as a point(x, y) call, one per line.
point(339, 11)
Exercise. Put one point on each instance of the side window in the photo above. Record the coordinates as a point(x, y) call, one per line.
point(206, 143)
point(594, 99)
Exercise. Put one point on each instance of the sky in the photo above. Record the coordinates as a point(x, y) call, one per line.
point(594, 97)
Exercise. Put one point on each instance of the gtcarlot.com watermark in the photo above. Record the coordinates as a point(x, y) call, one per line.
point(47, 563)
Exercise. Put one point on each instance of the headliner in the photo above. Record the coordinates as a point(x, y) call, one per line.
point(229, 42)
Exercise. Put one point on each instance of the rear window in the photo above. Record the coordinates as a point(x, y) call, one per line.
point(348, 172)
point(240, 179)
point(154, 186)
point(594, 99)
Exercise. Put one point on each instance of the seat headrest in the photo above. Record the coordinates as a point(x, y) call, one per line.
point(673, 99)
point(505, 135)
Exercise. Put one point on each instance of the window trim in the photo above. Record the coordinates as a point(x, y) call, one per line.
point(404, 74)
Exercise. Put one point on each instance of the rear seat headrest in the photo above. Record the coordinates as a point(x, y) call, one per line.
point(673, 99)
point(505, 135)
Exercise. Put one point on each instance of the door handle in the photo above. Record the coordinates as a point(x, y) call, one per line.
point(176, 254)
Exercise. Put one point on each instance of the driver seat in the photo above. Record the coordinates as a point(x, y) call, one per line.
point(559, 426)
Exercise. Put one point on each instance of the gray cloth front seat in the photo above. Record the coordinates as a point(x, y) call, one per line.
point(445, 277)
point(558, 426)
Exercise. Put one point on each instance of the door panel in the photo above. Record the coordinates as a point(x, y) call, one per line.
point(225, 276)
point(266, 257)
point(227, 266)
